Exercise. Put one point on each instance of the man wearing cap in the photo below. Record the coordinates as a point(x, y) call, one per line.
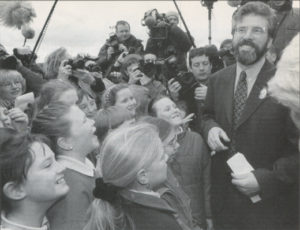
point(172, 17)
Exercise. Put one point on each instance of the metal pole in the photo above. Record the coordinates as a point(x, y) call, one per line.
point(42, 32)
point(185, 26)
point(209, 26)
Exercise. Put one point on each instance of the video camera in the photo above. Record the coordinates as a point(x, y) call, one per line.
point(186, 79)
point(10, 61)
point(24, 55)
point(86, 62)
point(157, 23)
point(114, 43)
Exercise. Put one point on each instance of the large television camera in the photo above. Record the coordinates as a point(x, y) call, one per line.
point(11, 61)
point(25, 55)
point(157, 23)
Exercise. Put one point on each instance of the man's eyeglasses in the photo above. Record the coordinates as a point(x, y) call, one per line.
point(256, 30)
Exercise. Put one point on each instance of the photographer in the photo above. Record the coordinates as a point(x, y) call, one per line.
point(85, 74)
point(166, 39)
point(191, 96)
point(115, 48)
point(139, 73)
point(29, 70)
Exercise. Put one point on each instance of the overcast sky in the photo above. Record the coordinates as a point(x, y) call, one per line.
point(83, 26)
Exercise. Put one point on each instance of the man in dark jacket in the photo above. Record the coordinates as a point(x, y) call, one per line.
point(115, 48)
point(240, 117)
point(176, 43)
point(287, 24)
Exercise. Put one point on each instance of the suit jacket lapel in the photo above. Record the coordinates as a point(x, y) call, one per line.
point(254, 100)
point(228, 94)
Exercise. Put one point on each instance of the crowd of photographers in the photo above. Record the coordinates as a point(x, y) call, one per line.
point(138, 137)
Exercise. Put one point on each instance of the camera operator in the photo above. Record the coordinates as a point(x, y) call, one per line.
point(173, 18)
point(29, 70)
point(139, 73)
point(116, 47)
point(200, 67)
point(166, 38)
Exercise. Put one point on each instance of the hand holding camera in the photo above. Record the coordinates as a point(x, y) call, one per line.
point(174, 88)
point(200, 92)
point(135, 75)
point(123, 48)
point(120, 59)
point(110, 52)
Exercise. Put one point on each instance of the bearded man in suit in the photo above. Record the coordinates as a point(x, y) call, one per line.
point(240, 117)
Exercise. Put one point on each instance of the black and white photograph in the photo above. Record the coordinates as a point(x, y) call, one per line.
point(149, 115)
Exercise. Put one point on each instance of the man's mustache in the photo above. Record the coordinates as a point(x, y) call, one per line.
point(248, 43)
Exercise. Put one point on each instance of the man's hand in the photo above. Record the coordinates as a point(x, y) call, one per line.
point(200, 92)
point(116, 76)
point(215, 135)
point(97, 75)
point(120, 59)
point(174, 88)
point(64, 71)
point(123, 48)
point(110, 52)
point(135, 77)
point(246, 183)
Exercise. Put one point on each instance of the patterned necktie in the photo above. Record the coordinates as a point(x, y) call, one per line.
point(239, 101)
point(240, 97)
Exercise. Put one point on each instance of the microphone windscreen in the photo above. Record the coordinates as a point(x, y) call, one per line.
point(27, 32)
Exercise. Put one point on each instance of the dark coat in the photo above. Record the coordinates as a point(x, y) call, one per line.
point(267, 138)
point(132, 43)
point(191, 167)
point(149, 212)
point(287, 27)
point(177, 40)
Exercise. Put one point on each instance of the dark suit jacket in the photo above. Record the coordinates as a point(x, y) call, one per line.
point(149, 212)
point(268, 139)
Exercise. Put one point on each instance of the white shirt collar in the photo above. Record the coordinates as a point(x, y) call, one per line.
point(5, 221)
point(151, 193)
point(86, 168)
point(251, 71)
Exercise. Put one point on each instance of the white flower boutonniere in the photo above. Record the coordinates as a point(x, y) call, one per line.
point(263, 93)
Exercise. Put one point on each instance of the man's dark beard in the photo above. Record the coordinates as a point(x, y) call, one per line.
point(247, 58)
